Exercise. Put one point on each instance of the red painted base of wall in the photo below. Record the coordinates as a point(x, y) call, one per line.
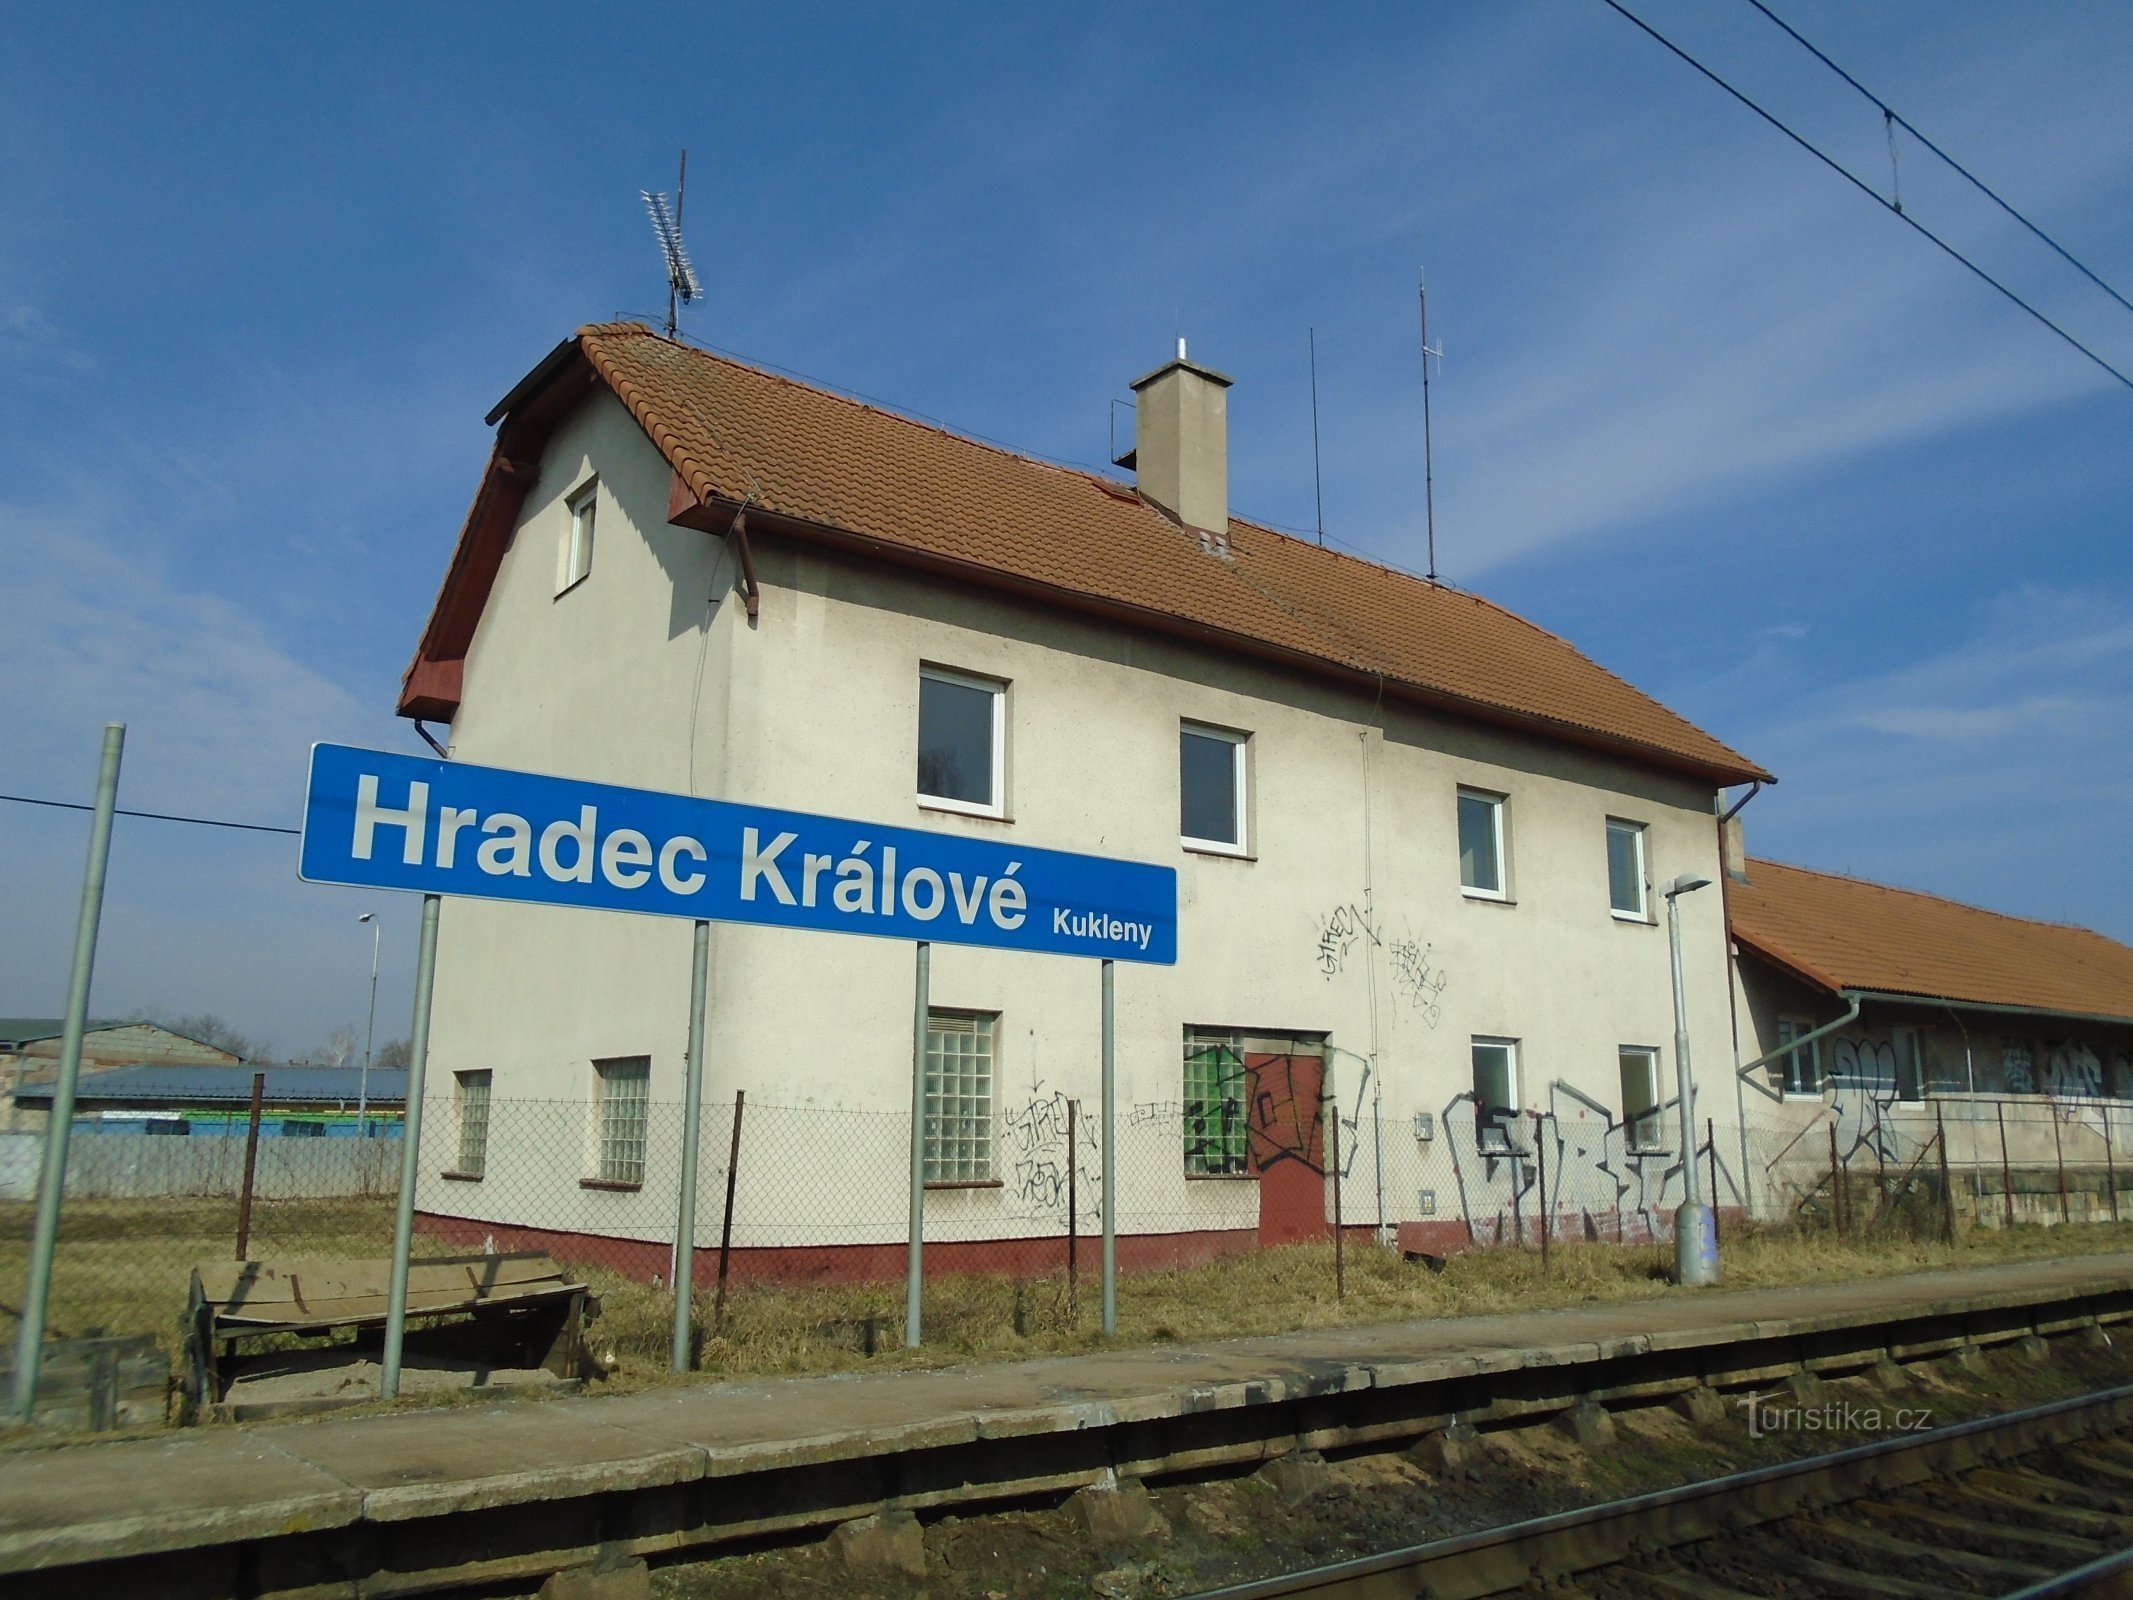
point(649, 1261)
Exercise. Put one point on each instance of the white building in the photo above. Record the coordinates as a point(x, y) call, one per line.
point(1419, 841)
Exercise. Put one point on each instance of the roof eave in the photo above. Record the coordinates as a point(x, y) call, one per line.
point(716, 514)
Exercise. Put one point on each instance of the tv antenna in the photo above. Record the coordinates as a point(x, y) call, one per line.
point(683, 287)
point(1429, 497)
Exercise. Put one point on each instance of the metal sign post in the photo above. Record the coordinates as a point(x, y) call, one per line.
point(1110, 1180)
point(418, 1060)
point(915, 1225)
point(52, 1179)
point(384, 821)
point(692, 1105)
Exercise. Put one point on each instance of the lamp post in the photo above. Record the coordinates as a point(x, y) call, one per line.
point(1695, 1234)
point(370, 1028)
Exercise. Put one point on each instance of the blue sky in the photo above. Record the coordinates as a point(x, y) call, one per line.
point(1704, 409)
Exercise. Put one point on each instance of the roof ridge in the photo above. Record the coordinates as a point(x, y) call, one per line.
point(1928, 894)
point(852, 398)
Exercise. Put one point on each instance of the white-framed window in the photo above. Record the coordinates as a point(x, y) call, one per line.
point(1481, 844)
point(1212, 774)
point(621, 1107)
point(1496, 1092)
point(958, 1146)
point(1626, 889)
point(470, 1110)
point(1215, 1136)
point(575, 559)
point(1641, 1099)
point(1803, 1067)
point(962, 742)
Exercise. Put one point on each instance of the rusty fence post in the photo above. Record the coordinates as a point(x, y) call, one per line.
point(1073, 1222)
point(1710, 1143)
point(1836, 1183)
point(725, 1230)
point(1333, 1164)
point(251, 1166)
point(2110, 1161)
point(2059, 1154)
point(1999, 1109)
point(1947, 1188)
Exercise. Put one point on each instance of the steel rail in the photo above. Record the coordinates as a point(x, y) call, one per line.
point(1562, 1546)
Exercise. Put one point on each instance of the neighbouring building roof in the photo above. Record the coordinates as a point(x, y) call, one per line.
point(225, 1085)
point(1843, 933)
point(814, 464)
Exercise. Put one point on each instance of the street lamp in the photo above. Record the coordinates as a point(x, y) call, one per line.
point(370, 1029)
point(1695, 1229)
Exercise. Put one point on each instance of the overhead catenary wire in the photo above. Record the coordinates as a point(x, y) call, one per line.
point(1896, 119)
point(153, 816)
point(1864, 188)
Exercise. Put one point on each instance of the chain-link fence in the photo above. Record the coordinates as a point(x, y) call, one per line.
point(802, 1212)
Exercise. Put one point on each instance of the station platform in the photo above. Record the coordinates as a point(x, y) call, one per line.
point(417, 1500)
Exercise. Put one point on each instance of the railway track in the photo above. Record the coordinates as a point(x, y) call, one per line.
point(2024, 1505)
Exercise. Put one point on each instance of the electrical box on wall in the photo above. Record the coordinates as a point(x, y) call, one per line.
point(1426, 1203)
point(1425, 1126)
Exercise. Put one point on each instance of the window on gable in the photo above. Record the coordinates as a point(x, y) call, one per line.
point(958, 1134)
point(577, 552)
point(1481, 843)
point(1625, 870)
point(962, 727)
point(621, 1100)
point(1496, 1093)
point(1211, 777)
point(1640, 1097)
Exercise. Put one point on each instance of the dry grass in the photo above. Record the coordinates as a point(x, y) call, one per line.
point(772, 1330)
point(123, 1266)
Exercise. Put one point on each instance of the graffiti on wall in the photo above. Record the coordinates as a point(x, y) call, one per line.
point(2073, 1069)
point(1601, 1182)
point(1417, 981)
point(1034, 1151)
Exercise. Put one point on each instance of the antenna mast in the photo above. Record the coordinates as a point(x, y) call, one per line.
point(1318, 488)
point(682, 284)
point(1429, 496)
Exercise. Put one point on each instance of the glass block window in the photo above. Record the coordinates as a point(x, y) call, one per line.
point(621, 1095)
point(470, 1093)
point(1214, 1104)
point(959, 1096)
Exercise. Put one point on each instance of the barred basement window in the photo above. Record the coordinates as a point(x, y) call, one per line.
point(1214, 1104)
point(471, 1090)
point(959, 1096)
point(621, 1090)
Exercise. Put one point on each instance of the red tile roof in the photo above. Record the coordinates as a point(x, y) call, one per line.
point(1845, 933)
point(808, 457)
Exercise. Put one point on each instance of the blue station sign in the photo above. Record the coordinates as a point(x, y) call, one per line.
point(383, 821)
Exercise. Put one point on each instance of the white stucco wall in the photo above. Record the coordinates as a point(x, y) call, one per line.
point(814, 707)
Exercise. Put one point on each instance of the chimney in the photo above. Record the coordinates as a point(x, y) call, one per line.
point(1181, 443)
point(1733, 844)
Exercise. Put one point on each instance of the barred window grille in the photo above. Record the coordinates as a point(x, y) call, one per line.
point(1214, 1105)
point(473, 1093)
point(622, 1090)
point(959, 1096)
